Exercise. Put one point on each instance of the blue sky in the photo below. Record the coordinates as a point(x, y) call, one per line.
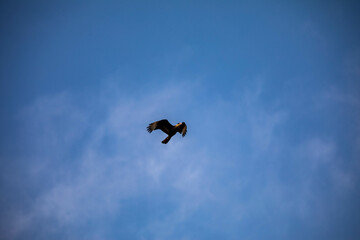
point(270, 92)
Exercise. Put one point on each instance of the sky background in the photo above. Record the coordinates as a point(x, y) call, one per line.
point(270, 92)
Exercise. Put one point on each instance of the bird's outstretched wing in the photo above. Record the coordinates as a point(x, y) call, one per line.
point(163, 125)
point(183, 129)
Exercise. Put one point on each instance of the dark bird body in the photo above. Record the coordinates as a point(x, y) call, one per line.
point(167, 128)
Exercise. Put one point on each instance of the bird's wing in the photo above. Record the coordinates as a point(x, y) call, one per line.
point(184, 129)
point(163, 125)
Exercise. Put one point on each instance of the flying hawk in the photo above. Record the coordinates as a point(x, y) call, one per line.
point(167, 128)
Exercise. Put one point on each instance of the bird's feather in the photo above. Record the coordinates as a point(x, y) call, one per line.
point(163, 125)
point(184, 129)
point(166, 140)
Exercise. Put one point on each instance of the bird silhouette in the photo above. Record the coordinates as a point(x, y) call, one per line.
point(167, 128)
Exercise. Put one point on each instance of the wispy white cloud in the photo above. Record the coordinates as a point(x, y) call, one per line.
point(118, 161)
point(352, 64)
point(338, 96)
point(99, 182)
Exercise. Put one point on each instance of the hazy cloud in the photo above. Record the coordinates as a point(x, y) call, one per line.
point(119, 163)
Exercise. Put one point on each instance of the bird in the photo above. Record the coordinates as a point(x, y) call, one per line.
point(167, 128)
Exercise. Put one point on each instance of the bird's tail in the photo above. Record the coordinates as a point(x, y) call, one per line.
point(166, 140)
